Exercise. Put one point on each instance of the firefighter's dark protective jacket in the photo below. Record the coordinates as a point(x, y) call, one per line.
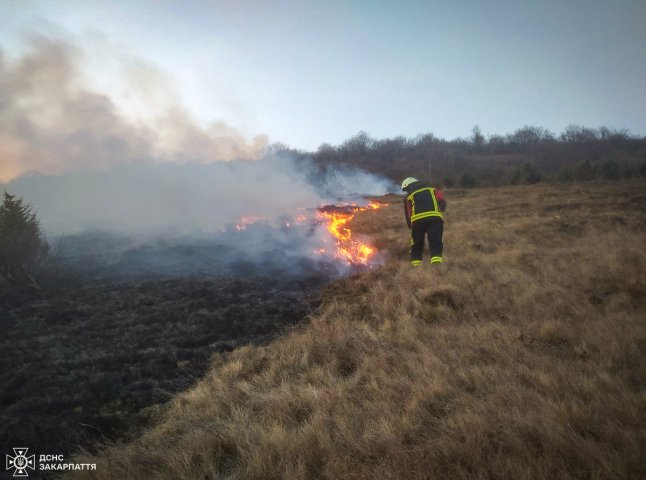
point(423, 202)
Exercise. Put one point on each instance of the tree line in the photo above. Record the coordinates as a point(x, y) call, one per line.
point(528, 155)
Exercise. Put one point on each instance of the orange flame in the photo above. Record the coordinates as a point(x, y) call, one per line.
point(347, 248)
point(335, 219)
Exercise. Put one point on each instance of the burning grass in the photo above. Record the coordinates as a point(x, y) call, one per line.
point(521, 357)
point(348, 248)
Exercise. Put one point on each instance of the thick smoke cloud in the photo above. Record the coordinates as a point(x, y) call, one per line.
point(140, 197)
point(148, 219)
point(52, 122)
point(151, 198)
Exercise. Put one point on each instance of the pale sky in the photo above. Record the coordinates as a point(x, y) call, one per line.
point(308, 72)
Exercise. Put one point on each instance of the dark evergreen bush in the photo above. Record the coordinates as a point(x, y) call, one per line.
point(22, 244)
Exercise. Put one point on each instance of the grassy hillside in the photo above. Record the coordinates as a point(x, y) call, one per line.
point(521, 357)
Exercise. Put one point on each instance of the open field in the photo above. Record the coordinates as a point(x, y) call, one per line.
point(521, 357)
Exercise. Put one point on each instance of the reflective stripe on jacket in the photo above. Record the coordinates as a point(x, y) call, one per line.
point(423, 203)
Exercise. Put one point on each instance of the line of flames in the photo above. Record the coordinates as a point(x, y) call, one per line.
point(349, 249)
point(336, 219)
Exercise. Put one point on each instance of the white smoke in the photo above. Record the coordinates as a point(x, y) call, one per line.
point(52, 121)
point(86, 167)
point(168, 198)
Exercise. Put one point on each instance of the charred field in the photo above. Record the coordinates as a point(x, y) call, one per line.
point(121, 324)
point(80, 363)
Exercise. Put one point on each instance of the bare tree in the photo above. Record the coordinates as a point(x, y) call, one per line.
point(477, 138)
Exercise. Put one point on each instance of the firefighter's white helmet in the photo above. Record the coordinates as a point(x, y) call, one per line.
point(407, 182)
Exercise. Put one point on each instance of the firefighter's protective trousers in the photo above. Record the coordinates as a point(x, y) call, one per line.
point(424, 215)
point(433, 228)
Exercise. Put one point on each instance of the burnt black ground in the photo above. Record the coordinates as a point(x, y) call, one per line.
point(79, 362)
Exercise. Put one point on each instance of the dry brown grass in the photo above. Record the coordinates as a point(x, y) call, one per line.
point(521, 357)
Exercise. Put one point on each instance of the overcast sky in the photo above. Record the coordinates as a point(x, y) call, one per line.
point(307, 72)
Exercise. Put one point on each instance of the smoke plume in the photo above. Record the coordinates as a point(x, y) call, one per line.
point(225, 218)
point(154, 196)
point(51, 121)
point(168, 198)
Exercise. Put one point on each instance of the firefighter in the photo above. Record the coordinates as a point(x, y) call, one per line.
point(423, 206)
